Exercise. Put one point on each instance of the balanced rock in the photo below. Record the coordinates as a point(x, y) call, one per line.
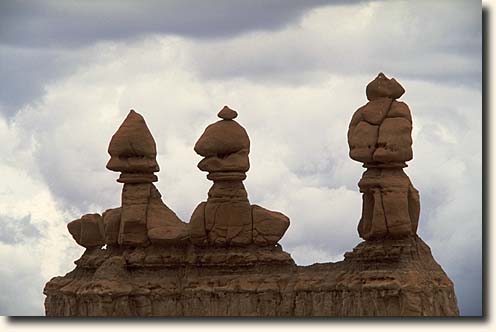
point(88, 231)
point(222, 138)
point(227, 218)
point(382, 87)
point(143, 218)
point(133, 151)
point(380, 131)
point(227, 114)
point(379, 135)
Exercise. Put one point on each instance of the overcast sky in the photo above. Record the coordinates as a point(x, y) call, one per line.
point(294, 70)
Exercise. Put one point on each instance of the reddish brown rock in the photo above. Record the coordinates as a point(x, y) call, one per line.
point(222, 138)
point(400, 110)
point(88, 231)
point(164, 227)
point(394, 141)
point(133, 151)
point(227, 218)
point(390, 204)
point(227, 114)
point(378, 278)
point(382, 87)
point(197, 228)
point(268, 226)
point(375, 111)
point(413, 207)
point(234, 162)
point(372, 225)
point(111, 225)
point(362, 140)
point(228, 214)
point(133, 230)
point(380, 136)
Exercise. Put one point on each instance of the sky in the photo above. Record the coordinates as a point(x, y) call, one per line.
point(295, 71)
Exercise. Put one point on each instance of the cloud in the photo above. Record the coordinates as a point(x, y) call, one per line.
point(34, 242)
point(295, 43)
point(405, 38)
point(46, 40)
point(22, 293)
point(26, 72)
point(17, 230)
point(51, 23)
point(295, 88)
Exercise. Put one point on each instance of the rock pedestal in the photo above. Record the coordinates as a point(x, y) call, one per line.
point(143, 217)
point(141, 260)
point(380, 136)
point(227, 218)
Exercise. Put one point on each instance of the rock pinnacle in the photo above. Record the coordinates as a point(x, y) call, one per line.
point(227, 114)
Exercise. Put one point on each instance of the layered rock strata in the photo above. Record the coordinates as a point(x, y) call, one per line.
point(391, 278)
point(142, 260)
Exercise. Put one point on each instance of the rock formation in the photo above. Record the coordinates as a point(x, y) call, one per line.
point(227, 218)
point(142, 217)
point(141, 260)
point(380, 136)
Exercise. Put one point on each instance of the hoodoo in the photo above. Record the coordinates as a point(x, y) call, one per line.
point(142, 260)
point(227, 218)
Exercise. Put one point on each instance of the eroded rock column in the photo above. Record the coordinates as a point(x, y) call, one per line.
point(379, 135)
point(227, 218)
point(142, 218)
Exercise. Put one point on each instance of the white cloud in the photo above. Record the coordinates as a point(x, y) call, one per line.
point(440, 42)
point(56, 147)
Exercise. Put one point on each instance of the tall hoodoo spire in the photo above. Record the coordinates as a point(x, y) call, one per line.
point(379, 135)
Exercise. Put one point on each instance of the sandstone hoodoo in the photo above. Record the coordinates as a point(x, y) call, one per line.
point(227, 218)
point(143, 217)
point(142, 260)
point(380, 136)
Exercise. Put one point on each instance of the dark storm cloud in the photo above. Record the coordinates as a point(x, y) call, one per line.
point(41, 42)
point(17, 230)
point(35, 37)
point(75, 23)
point(437, 42)
point(26, 72)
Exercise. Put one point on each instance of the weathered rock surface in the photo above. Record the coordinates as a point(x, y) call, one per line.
point(227, 218)
point(380, 131)
point(382, 87)
point(391, 204)
point(379, 278)
point(87, 231)
point(133, 151)
point(379, 135)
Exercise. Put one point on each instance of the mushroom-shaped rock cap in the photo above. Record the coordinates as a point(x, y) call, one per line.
point(382, 87)
point(223, 137)
point(227, 114)
point(132, 148)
